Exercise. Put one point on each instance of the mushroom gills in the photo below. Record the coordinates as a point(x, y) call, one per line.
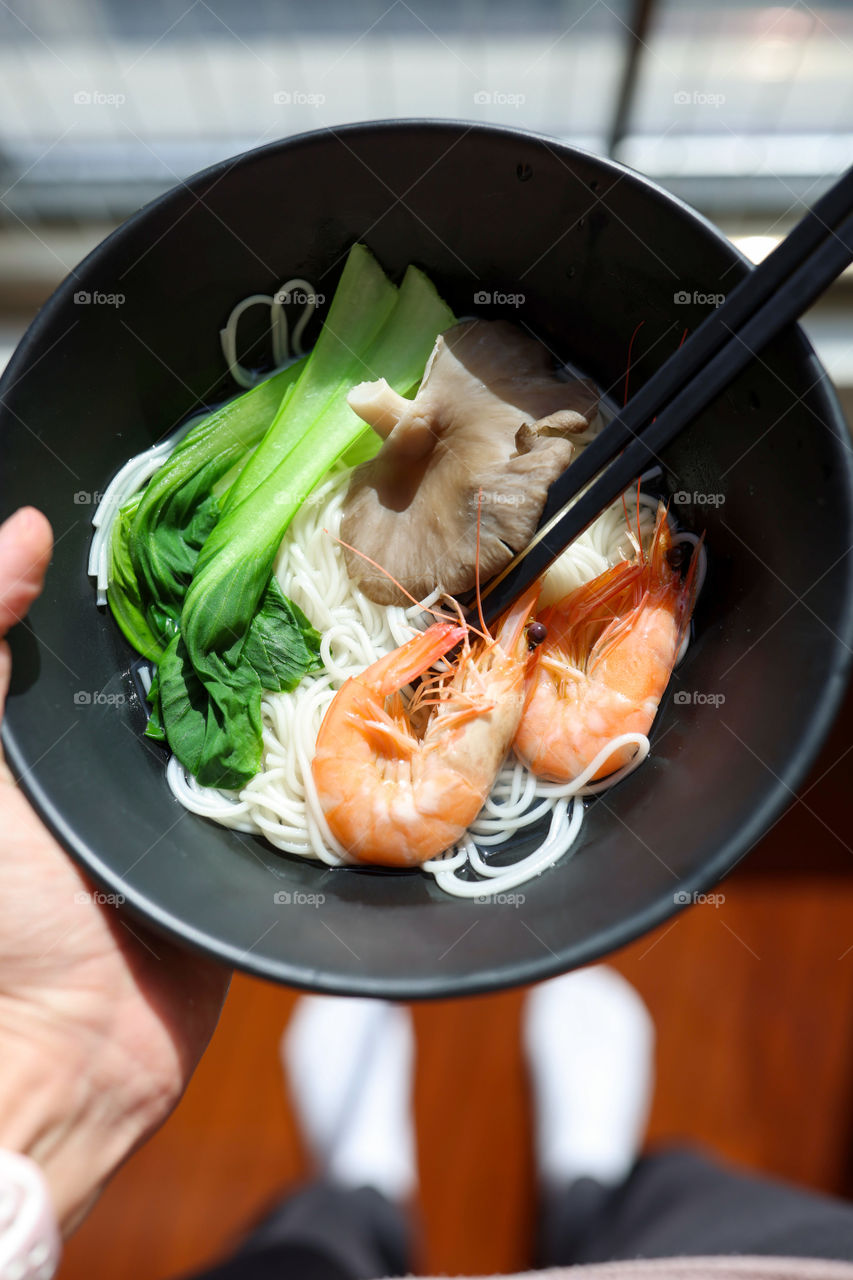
point(491, 427)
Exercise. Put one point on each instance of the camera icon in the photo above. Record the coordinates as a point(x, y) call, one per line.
point(83, 98)
point(681, 99)
point(681, 498)
point(82, 297)
point(681, 697)
point(82, 498)
point(681, 898)
point(482, 298)
point(682, 298)
point(82, 698)
point(282, 98)
point(482, 98)
point(282, 898)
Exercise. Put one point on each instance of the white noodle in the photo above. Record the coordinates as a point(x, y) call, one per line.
point(283, 347)
point(561, 836)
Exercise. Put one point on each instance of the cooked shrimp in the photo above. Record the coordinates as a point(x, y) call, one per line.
point(396, 798)
point(605, 662)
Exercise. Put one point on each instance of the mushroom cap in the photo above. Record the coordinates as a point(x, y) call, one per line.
point(490, 429)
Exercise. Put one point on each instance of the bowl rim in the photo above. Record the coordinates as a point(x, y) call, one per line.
point(781, 790)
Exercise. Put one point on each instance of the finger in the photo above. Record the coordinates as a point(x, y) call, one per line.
point(26, 545)
point(5, 673)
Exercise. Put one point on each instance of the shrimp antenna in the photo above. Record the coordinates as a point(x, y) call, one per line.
point(630, 349)
point(442, 617)
point(453, 603)
point(641, 553)
point(486, 631)
point(638, 542)
point(625, 400)
point(640, 528)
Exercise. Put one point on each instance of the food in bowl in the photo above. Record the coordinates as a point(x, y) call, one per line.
point(279, 566)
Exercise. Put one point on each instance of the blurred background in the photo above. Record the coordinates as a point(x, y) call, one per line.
point(743, 109)
point(746, 111)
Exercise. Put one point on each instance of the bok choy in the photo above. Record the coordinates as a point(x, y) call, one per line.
point(193, 556)
point(160, 536)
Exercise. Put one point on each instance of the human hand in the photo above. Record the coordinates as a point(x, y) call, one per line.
point(101, 1026)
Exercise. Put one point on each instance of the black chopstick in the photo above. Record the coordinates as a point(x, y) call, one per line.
point(719, 349)
point(748, 295)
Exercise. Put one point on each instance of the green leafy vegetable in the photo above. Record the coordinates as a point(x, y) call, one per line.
point(180, 505)
point(154, 729)
point(124, 595)
point(279, 648)
point(235, 563)
point(191, 582)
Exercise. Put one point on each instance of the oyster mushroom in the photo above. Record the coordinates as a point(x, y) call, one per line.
point(490, 415)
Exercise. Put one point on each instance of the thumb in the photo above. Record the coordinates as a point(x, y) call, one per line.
point(26, 544)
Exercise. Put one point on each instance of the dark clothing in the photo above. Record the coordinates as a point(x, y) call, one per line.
point(682, 1204)
point(674, 1204)
point(323, 1232)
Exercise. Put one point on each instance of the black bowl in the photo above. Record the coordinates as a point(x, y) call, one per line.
point(594, 249)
